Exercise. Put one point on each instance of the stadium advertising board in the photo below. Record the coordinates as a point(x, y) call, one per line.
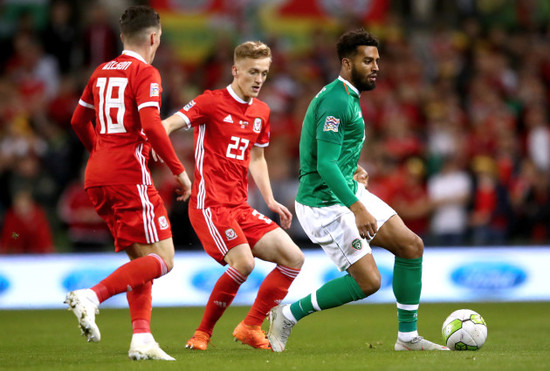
point(449, 275)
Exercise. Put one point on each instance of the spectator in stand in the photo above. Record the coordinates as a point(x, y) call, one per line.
point(412, 202)
point(490, 204)
point(26, 228)
point(449, 193)
point(85, 228)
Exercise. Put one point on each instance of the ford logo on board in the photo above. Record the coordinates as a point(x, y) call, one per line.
point(489, 276)
point(84, 278)
point(205, 280)
point(386, 275)
point(4, 284)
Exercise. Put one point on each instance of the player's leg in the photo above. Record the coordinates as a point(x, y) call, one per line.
point(143, 345)
point(407, 280)
point(224, 241)
point(334, 229)
point(275, 246)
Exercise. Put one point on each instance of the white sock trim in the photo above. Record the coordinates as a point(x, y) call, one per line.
point(143, 338)
point(163, 266)
point(314, 302)
point(287, 313)
point(407, 336)
point(407, 306)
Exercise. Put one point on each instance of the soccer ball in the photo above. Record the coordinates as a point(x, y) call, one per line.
point(464, 329)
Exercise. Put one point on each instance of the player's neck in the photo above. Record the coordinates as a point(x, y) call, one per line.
point(142, 51)
point(237, 90)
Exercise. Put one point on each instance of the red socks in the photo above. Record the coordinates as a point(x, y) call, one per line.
point(140, 303)
point(131, 275)
point(221, 297)
point(272, 291)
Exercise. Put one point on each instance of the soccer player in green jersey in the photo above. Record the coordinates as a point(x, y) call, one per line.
point(340, 214)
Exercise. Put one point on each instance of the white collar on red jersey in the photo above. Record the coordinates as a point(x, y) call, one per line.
point(134, 54)
point(349, 84)
point(236, 97)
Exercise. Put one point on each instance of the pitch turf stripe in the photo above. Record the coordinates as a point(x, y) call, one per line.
point(218, 240)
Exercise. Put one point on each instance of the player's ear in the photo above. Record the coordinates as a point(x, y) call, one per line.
point(234, 71)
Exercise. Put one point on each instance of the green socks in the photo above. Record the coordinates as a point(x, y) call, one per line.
point(407, 285)
point(332, 294)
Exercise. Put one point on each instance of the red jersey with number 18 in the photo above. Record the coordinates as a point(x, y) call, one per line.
point(225, 128)
point(117, 90)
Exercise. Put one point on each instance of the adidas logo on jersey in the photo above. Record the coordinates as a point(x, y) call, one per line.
point(228, 118)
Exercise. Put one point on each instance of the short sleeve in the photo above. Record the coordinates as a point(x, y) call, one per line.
point(330, 118)
point(87, 97)
point(263, 138)
point(196, 111)
point(148, 88)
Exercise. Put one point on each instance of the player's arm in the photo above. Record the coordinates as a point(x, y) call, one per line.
point(82, 125)
point(327, 167)
point(260, 174)
point(160, 142)
point(175, 122)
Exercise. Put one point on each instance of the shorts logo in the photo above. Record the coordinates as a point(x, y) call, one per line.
point(155, 90)
point(230, 234)
point(189, 105)
point(163, 223)
point(331, 124)
point(356, 244)
point(257, 125)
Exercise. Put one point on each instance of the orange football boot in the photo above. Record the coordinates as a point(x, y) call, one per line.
point(251, 335)
point(199, 341)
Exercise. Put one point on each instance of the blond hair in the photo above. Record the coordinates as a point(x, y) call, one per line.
point(251, 49)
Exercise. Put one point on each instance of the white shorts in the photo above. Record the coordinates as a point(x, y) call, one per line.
point(333, 227)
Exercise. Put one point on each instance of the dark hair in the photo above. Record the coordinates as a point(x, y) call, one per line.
point(138, 18)
point(350, 40)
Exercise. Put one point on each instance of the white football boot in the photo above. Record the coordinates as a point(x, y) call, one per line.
point(279, 329)
point(418, 343)
point(84, 304)
point(140, 351)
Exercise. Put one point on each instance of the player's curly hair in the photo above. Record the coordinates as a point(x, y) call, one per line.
point(136, 19)
point(349, 41)
point(252, 49)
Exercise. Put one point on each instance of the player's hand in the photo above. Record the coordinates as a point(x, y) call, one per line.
point(284, 214)
point(156, 157)
point(361, 176)
point(183, 188)
point(366, 223)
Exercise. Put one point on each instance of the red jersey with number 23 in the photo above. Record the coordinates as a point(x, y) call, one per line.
point(117, 90)
point(225, 129)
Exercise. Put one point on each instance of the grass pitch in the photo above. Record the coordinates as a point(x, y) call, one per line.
point(352, 337)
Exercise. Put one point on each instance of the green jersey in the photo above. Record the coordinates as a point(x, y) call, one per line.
point(333, 116)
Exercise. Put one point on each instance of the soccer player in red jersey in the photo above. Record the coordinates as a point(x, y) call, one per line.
point(124, 97)
point(231, 128)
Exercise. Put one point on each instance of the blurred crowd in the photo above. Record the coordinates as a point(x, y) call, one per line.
point(458, 128)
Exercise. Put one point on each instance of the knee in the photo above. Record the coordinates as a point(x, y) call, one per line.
point(371, 284)
point(297, 259)
point(413, 248)
point(244, 266)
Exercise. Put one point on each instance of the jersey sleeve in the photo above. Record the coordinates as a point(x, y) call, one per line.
point(147, 88)
point(263, 138)
point(330, 119)
point(196, 111)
